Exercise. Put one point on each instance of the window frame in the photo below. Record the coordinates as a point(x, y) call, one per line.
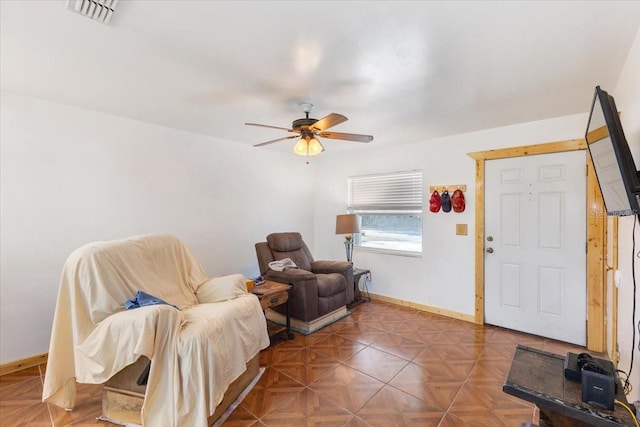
point(406, 197)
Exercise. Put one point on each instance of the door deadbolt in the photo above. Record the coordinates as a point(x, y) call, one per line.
point(489, 238)
point(490, 250)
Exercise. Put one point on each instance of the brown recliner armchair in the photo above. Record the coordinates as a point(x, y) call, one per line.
point(319, 287)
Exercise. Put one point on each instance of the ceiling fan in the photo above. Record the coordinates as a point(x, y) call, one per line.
point(307, 129)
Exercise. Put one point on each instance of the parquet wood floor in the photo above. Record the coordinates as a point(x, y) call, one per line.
point(384, 365)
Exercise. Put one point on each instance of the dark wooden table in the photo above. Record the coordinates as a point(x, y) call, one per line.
point(538, 377)
point(273, 294)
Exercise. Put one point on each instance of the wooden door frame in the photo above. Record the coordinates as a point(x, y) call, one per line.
point(596, 235)
point(613, 348)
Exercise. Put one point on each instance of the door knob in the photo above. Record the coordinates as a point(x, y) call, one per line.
point(489, 238)
point(490, 250)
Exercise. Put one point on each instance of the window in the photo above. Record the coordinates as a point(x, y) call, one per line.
point(390, 210)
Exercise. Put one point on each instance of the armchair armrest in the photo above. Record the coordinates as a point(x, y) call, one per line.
point(124, 336)
point(290, 275)
point(342, 267)
point(304, 292)
point(222, 288)
point(325, 267)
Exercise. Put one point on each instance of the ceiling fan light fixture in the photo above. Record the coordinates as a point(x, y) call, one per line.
point(308, 146)
point(314, 147)
point(301, 147)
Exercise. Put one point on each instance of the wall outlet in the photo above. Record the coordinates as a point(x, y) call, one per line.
point(461, 229)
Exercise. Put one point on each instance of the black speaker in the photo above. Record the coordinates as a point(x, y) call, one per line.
point(598, 386)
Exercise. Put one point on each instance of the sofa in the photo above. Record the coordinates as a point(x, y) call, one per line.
point(200, 338)
point(320, 288)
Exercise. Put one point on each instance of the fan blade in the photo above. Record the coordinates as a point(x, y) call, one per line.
point(328, 121)
point(267, 126)
point(347, 136)
point(276, 140)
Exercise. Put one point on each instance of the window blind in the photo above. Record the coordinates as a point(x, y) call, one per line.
point(390, 191)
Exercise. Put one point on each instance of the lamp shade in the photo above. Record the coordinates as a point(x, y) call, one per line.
point(347, 224)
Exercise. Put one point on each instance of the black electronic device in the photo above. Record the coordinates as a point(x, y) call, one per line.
point(574, 362)
point(617, 175)
point(598, 386)
point(597, 376)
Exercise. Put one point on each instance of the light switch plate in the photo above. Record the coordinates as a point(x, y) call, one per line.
point(461, 229)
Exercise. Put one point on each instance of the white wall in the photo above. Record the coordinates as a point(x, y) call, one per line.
point(627, 96)
point(444, 276)
point(70, 176)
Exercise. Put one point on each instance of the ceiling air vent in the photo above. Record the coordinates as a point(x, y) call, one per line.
point(100, 10)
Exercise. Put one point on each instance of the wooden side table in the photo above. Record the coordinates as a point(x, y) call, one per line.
point(273, 294)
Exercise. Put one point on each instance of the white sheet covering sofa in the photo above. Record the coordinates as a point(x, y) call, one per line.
point(196, 351)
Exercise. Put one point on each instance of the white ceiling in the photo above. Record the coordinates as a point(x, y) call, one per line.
point(400, 71)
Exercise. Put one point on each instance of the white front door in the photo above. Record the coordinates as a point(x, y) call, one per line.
point(535, 245)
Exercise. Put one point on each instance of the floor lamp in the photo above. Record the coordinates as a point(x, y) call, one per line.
point(347, 225)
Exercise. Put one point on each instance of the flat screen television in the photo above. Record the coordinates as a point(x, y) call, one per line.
point(617, 175)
